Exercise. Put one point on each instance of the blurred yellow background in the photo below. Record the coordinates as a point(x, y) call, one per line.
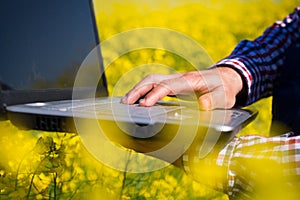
point(44, 165)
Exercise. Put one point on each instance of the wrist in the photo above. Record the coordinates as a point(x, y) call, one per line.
point(236, 83)
point(231, 77)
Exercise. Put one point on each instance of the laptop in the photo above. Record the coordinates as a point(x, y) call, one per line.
point(42, 46)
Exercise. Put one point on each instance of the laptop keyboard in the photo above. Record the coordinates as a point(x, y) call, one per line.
point(116, 108)
point(125, 110)
point(113, 107)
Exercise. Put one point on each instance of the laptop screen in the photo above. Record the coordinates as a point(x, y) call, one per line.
point(43, 43)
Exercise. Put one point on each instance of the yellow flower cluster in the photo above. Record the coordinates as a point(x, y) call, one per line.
point(44, 165)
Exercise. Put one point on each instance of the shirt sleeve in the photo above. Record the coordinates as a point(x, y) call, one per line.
point(259, 61)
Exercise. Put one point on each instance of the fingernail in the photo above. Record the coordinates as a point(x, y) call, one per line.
point(142, 101)
point(124, 99)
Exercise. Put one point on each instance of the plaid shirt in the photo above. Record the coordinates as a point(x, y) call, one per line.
point(255, 167)
point(258, 61)
point(251, 167)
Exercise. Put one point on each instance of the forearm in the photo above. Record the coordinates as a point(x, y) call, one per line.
point(259, 61)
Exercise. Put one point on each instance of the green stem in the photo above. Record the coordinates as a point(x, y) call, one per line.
point(54, 183)
point(32, 178)
point(18, 169)
point(125, 175)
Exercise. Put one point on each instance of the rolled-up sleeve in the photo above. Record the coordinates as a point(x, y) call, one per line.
point(259, 61)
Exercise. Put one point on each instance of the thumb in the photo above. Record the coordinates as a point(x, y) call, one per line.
point(216, 99)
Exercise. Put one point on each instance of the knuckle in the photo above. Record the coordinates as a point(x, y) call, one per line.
point(151, 77)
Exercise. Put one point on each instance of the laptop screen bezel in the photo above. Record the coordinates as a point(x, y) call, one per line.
point(10, 96)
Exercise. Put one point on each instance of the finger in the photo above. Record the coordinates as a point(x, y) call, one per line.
point(140, 89)
point(169, 87)
point(136, 93)
point(216, 99)
point(156, 94)
point(144, 86)
point(155, 79)
point(205, 102)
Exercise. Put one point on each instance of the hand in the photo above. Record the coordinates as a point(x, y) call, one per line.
point(214, 88)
